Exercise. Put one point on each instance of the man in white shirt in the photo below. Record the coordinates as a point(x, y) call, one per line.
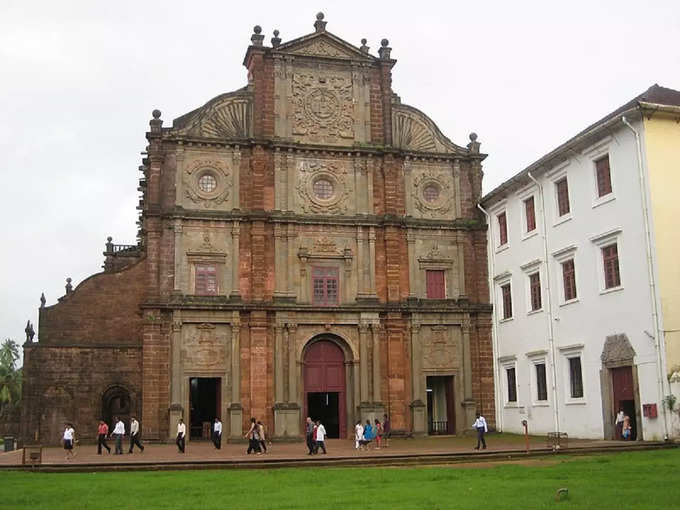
point(118, 433)
point(134, 435)
point(619, 423)
point(217, 433)
point(181, 433)
point(481, 428)
point(358, 435)
point(320, 437)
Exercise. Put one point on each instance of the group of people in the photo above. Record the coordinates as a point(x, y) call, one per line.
point(364, 435)
point(69, 437)
point(624, 430)
point(315, 434)
point(257, 440)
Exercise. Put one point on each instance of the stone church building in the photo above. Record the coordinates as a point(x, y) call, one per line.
point(308, 245)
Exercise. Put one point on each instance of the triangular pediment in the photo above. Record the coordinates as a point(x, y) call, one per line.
point(325, 45)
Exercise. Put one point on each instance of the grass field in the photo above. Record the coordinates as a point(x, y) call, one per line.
point(626, 480)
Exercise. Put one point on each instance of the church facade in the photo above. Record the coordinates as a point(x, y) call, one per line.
point(309, 245)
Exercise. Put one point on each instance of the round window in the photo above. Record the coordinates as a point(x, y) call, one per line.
point(431, 192)
point(323, 189)
point(207, 183)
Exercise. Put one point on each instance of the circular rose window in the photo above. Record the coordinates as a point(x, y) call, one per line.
point(323, 189)
point(431, 192)
point(207, 183)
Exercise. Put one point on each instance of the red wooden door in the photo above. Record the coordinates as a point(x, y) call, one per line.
point(622, 380)
point(324, 371)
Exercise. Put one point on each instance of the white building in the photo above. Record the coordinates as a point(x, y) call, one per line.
point(578, 331)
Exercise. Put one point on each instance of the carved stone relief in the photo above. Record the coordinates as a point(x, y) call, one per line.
point(323, 110)
point(207, 182)
point(205, 347)
point(440, 348)
point(413, 130)
point(321, 48)
point(432, 192)
point(334, 197)
point(225, 118)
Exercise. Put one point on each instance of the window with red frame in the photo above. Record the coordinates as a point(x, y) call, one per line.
point(502, 229)
point(530, 212)
point(434, 280)
point(562, 197)
point(507, 301)
point(604, 178)
point(569, 280)
point(325, 286)
point(535, 287)
point(206, 280)
point(610, 258)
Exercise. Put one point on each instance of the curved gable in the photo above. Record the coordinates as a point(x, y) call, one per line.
point(412, 130)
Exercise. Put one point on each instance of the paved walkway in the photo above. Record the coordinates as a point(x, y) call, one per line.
point(201, 451)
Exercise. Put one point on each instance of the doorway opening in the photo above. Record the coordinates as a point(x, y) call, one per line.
point(324, 380)
point(441, 416)
point(116, 402)
point(624, 397)
point(204, 403)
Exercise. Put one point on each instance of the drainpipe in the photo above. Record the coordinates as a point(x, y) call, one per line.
point(658, 330)
point(494, 326)
point(551, 330)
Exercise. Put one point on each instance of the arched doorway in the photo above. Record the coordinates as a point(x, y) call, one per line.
point(324, 380)
point(116, 402)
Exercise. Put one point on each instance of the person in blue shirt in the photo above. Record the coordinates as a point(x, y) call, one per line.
point(369, 434)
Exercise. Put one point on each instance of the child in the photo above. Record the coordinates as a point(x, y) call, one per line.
point(69, 440)
point(378, 433)
point(627, 429)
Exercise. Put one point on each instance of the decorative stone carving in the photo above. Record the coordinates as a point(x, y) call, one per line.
point(221, 186)
point(338, 202)
point(432, 192)
point(321, 48)
point(203, 348)
point(323, 107)
point(325, 245)
point(412, 130)
point(223, 117)
point(435, 256)
point(439, 349)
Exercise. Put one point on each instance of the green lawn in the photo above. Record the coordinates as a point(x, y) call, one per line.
point(626, 480)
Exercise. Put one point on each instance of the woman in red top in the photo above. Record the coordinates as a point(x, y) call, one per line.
point(102, 432)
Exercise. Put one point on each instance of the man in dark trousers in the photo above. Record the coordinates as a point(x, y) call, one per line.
point(217, 433)
point(102, 432)
point(134, 435)
point(309, 431)
point(481, 428)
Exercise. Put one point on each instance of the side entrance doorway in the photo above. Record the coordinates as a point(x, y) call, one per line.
point(441, 415)
point(624, 396)
point(324, 386)
point(204, 403)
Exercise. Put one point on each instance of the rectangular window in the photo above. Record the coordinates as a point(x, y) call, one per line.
point(502, 229)
point(435, 284)
point(541, 385)
point(507, 301)
point(604, 178)
point(569, 280)
point(562, 197)
point(610, 259)
point(535, 288)
point(512, 384)
point(530, 214)
point(206, 280)
point(575, 377)
point(325, 286)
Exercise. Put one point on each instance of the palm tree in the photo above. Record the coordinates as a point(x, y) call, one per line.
point(10, 377)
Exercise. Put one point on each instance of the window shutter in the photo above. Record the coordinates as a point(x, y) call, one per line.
point(434, 281)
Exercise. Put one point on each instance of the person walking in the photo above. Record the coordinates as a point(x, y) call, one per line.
point(358, 435)
point(253, 437)
point(102, 432)
point(263, 439)
point(387, 430)
point(481, 428)
point(320, 437)
point(619, 423)
point(181, 435)
point(309, 432)
point(118, 433)
point(217, 433)
point(378, 430)
point(134, 436)
point(69, 439)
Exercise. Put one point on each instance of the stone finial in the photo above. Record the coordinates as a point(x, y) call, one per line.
point(109, 244)
point(42, 300)
point(69, 287)
point(364, 48)
point(384, 50)
point(257, 36)
point(320, 24)
point(473, 146)
point(276, 40)
point(156, 122)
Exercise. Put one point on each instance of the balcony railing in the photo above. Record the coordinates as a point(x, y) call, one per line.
point(436, 428)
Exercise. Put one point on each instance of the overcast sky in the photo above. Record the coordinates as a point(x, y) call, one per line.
point(79, 79)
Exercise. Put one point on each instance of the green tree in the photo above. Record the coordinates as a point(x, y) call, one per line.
point(10, 376)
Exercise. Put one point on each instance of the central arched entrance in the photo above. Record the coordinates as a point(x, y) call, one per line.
point(324, 379)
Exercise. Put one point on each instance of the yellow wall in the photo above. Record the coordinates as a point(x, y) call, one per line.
point(662, 140)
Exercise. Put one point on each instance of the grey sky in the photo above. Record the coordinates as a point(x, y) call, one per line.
point(78, 81)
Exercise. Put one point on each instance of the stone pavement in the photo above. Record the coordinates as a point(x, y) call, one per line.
point(198, 451)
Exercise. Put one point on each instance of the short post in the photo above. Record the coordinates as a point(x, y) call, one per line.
point(526, 435)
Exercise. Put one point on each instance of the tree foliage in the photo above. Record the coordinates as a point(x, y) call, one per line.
point(10, 376)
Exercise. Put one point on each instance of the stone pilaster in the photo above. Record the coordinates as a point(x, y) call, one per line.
point(235, 280)
point(177, 288)
point(412, 269)
point(235, 409)
point(363, 361)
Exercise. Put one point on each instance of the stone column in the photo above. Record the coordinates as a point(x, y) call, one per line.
point(418, 405)
point(178, 257)
point(292, 364)
point(456, 187)
point(363, 361)
point(375, 330)
point(371, 261)
point(278, 358)
point(460, 264)
point(290, 188)
point(235, 409)
point(176, 410)
point(236, 161)
point(235, 283)
point(469, 403)
point(280, 263)
point(290, 263)
point(369, 184)
point(412, 269)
